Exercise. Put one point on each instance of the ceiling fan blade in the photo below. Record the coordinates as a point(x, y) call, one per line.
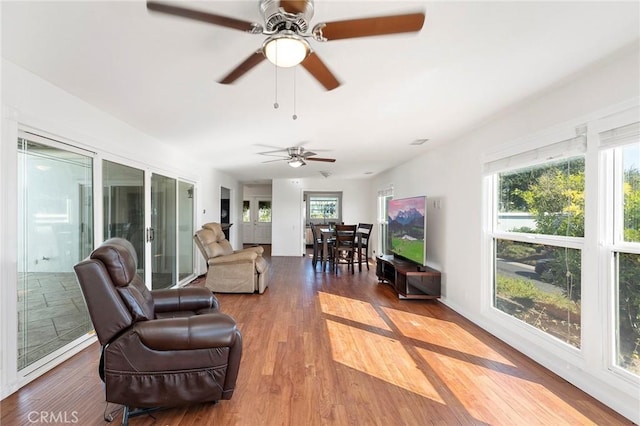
point(293, 6)
point(277, 159)
point(272, 153)
point(243, 68)
point(320, 72)
point(197, 15)
point(308, 154)
point(326, 160)
point(372, 26)
point(269, 154)
point(272, 148)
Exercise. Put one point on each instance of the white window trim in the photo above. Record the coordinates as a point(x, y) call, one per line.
point(590, 368)
point(611, 226)
point(530, 154)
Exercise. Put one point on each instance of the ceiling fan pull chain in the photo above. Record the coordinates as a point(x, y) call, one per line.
point(275, 103)
point(295, 117)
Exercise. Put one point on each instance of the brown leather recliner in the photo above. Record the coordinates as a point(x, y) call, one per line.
point(160, 348)
point(231, 271)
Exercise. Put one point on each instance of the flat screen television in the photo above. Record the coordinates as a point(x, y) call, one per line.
point(407, 225)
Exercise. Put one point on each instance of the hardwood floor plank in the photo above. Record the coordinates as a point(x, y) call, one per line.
point(341, 349)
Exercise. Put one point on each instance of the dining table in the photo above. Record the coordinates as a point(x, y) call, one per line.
point(326, 235)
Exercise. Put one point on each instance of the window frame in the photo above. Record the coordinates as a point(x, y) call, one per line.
point(521, 159)
point(383, 220)
point(308, 195)
point(613, 244)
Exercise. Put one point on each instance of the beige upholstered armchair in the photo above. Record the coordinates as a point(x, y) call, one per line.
point(230, 271)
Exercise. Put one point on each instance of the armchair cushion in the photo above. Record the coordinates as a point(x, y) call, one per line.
point(160, 348)
point(222, 248)
point(234, 258)
point(133, 299)
point(195, 332)
point(183, 299)
point(115, 257)
point(230, 271)
point(261, 265)
point(256, 249)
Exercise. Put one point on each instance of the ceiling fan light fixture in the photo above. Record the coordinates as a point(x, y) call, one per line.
point(296, 162)
point(286, 49)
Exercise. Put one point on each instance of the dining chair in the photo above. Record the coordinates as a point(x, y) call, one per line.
point(317, 244)
point(344, 246)
point(325, 245)
point(363, 234)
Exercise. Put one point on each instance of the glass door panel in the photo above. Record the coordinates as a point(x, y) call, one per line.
point(256, 220)
point(123, 206)
point(263, 224)
point(185, 230)
point(163, 232)
point(55, 231)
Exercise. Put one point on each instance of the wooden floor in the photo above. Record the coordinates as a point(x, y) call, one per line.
point(325, 349)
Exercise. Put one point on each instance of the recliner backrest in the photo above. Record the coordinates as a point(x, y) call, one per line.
point(115, 295)
point(212, 242)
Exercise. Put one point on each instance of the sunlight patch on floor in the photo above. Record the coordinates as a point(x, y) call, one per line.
point(351, 309)
point(430, 330)
point(368, 352)
point(501, 387)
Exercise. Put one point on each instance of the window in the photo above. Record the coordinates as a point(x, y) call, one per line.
point(383, 220)
point(264, 211)
point(324, 207)
point(246, 211)
point(537, 239)
point(625, 254)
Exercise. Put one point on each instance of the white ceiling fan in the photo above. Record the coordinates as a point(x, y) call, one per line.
point(295, 156)
point(287, 27)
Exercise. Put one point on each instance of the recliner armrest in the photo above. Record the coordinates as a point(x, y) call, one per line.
point(183, 299)
point(244, 256)
point(196, 332)
point(256, 249)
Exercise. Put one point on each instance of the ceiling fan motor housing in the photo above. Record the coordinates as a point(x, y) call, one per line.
point(296, 151)
point(276, 19)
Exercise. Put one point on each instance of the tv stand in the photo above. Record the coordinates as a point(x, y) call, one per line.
point(410, 281)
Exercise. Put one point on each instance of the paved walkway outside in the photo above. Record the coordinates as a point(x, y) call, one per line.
point(51, 314)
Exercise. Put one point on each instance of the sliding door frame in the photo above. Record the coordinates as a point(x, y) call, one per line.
point(13, 379)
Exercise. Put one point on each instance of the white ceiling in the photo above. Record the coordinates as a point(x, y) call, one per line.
point(158, 73)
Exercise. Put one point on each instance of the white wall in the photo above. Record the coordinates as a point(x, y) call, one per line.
point(208, 207)
point(256, 190)
point(452, 173)
point(288, 221)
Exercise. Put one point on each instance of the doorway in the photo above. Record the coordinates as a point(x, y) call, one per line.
point(256, 220)
point(225, 210)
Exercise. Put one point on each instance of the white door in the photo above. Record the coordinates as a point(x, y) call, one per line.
point(256, 220)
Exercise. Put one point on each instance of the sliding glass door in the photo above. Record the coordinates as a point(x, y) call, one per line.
point(185, 230)
point(162, 233)
point(55, 231)
point(56, 199)
point(123, 206)
point(169, 235)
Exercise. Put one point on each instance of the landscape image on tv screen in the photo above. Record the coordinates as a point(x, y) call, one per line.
point(407, 228)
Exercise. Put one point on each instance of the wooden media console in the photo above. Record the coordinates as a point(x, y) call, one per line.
point(409, 280)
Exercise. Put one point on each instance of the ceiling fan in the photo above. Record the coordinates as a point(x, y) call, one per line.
point(296, 156)
point(286, 25)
